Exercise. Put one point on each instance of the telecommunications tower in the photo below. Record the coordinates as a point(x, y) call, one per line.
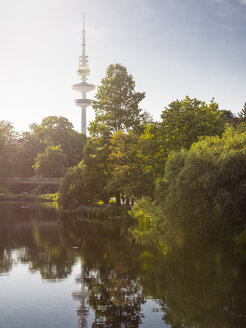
point(83, 87)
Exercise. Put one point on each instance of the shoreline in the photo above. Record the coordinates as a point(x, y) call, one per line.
point(28, 197)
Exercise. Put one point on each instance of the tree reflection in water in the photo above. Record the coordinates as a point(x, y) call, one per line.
point(81, 295)
point(109, 274)
point(197, 283)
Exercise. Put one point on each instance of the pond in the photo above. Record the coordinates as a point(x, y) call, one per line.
point(61, 271)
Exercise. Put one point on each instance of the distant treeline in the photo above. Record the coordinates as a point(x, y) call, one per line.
point(46, 150)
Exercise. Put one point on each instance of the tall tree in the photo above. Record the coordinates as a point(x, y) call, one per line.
point(116, 109)
point(117, 102)
point(58, 131)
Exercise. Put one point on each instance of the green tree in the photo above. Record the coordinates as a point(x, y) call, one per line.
point(183, 122)
point(50, 163)
point(128, 176)
point(242, 114)
point(117, 102)
point(7, 147)
point(18, 151)
point(116, 109)
point(58, 131)
point(73, 189)
point(28, 146)
point(85, 183)
point(211, 176)
point(98, 166)
point(227, 115)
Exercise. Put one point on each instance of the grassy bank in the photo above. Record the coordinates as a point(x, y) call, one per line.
point(111, 211)
point(28, 197)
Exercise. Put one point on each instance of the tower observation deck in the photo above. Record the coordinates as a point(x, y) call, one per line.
point(83, 87)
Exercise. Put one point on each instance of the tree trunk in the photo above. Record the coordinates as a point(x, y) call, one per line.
point(117, 197)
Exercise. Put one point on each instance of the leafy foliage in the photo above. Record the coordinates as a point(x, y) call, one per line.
point(7, 136)
point(72, 192)
point(183, 122)
point(58, 131)
point(242, 114)
point(50, 163)
point(27, 147)
point(117, 103)
point(97, 164)
point(211, 176)
point(117, 114)
point(128, 175)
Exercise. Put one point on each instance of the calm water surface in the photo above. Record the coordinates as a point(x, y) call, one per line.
point(59, 271)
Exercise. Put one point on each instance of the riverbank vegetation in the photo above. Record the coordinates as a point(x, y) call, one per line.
point(186, 171)
point(202, 192)
point(24, 196)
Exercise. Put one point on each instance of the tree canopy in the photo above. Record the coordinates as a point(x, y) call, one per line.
point(58, 131)
point(18, 150)
point(117, 103)
point(242, 114)
point(50, 163)
point(183, 122)
point(7, 137)
point(117, 112)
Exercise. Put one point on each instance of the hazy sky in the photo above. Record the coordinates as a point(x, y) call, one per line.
point(173, 48)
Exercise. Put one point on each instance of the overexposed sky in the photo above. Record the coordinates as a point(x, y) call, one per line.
point(173, 48)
